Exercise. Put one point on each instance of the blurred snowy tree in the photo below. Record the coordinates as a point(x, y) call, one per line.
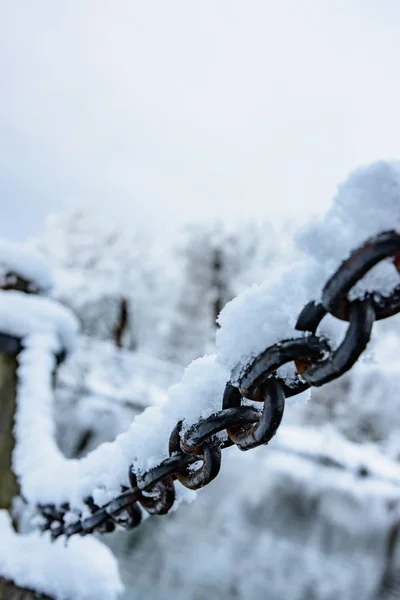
point(164, 297)
point(97, 275)
point(215, 263)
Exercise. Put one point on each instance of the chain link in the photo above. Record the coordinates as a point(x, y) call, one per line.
point(195, 455)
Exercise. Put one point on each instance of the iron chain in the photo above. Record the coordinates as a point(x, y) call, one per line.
point(245, 426)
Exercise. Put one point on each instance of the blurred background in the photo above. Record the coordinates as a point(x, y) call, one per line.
point(162, 155)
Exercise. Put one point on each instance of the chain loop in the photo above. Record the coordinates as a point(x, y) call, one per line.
point(236, 416)
point(361, 320)
point(267, 363)
point(161, 498)
point(272, 394)
point(335, 293)
point(210, 455)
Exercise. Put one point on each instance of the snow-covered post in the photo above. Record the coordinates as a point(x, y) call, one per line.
point(35, 332)
point(24, 273)
point(17, 275)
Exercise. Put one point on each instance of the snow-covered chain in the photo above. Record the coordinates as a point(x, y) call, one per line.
point(247, 428)
point(368, 203)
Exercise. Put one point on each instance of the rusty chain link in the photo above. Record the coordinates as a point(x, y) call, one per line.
point(245, 426)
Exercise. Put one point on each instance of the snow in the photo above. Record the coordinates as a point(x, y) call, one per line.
point(102, 472)
point(21, 314)
point(259, 317)
point(100, 389)
point(34, 427)
point(197, 396)
point(84, 569)
point(366, 204)
point(308, 481)
point(329, 447)
point(99, 369)
point(24, 261)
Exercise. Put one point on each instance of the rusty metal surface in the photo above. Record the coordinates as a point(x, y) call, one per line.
point(246, 427)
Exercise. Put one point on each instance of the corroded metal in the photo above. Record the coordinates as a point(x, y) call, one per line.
point(272, 395)
point(335, 293)
point(267, 363)
point(340, 360)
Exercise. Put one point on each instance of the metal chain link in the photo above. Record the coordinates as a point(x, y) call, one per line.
point(244, 426)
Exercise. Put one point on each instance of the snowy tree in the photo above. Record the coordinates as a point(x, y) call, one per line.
point(216, 261)
point(96, 270)
point(117, 282)
point(160, 297)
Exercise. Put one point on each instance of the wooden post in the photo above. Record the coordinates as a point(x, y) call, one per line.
point(8, 392)
point(9, 348)
point(8, 481)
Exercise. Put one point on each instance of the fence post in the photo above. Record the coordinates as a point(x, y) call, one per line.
point(9, 348)
point(8, 392)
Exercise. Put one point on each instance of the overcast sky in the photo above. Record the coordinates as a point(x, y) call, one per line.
point(161, 111)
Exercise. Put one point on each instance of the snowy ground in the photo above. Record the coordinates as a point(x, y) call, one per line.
point(101, 388)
